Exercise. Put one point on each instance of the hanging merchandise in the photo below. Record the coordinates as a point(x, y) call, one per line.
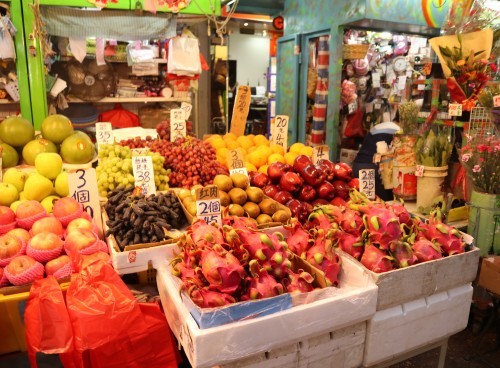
point(7, 33)
point(321, 95)
point(184, 56)
point(119, 117)
point(89, 81)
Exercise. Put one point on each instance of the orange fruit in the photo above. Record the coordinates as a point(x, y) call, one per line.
point(230, 136)
point(276, 148)
point(306, 150)
point(296, 147)
point(260, 140)
point(275, 157)
point(231, 145)
point(263, 169)
point(257, 158)
point(245, 142)
point(290, 157)
point(250, 167)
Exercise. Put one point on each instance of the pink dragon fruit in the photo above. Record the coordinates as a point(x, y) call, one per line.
point(261, 285)
point(351, 222)
point(426, 250)
point(322, 256)
point(222, 270)
point(448, 237)
point(376, 260)
point(205, 298)
point(299, 240)
point(300, 282)
point(381, 224)
point(203, 234)
point(240, 222)
point(349, 243)
point(324, 217)
point(402, 253)
point(402, 213)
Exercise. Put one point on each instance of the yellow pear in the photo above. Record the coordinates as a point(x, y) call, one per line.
point(37, 187)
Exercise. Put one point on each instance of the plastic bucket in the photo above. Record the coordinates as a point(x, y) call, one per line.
point(404, 149)
point(484, 222)
point(404, 182)
point(429, 186)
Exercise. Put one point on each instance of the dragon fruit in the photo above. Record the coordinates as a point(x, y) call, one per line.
point(351, 222)
point(349, 243)
point(322, 256)
point(240, 222)
point(402, 253)
point(381, 224)
point(300, 282)
point(299, 240)
point(402, 213)
point(261, 285)
point(448, 237)
point(426, 250)
point(203, 234)
point(205, 298)
point(222, 270)
point(324, 217)
point(376, 260)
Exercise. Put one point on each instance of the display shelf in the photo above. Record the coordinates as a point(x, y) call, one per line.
point(144, 99)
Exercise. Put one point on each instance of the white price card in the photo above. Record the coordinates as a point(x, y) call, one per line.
point(320, 153)
point(208, 205)
point(455, 109)
point(367, 182)
point(376, 80)
point(279, 131)
point(236, 162)
point(419, 170)
point(496, 101)
point(402, 82)
point(352, 107)
point(177, 124)
point(144, 176)
point(83, 187)
point(186, 107)
point(377, 106)
point(103, 134)
point(139, 151)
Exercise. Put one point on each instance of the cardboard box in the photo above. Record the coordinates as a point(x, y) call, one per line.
point(427, 278)
point(489, 277)
point(353, 302)
point(400, 329)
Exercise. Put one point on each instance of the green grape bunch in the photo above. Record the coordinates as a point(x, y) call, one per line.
point(114, 169)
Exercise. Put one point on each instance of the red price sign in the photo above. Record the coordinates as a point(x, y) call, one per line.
point(455, 110)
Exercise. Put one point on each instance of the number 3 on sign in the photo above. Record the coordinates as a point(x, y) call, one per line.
point(279, 131)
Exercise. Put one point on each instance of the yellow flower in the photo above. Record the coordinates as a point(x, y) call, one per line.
point(461, 62)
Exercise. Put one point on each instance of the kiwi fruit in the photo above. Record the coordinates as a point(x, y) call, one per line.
point(224, 198)
point(252, 209)
point(255, 194)
point(281, 216)
point(268, 206)
point(240, 180)
point(223, 182)
point(236, 210)
point(238, 196)
point(263, 219)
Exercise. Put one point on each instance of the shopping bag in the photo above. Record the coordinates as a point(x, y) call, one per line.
point(183, 56)
point(48, 327)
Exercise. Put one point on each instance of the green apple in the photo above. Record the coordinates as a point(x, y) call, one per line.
point(48, 164)
point(61, 184)
point(48, 202)
point(13, 205)
point(37, 187)
point(15, 177)
point(8, 194)
point(10, 157)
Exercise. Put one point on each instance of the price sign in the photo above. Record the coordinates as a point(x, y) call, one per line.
point(377, 106)
point(496, 101)
point(140, 151)
point(177, 124)
point(208, 205)
point(402, 82)
point(455, 109)
point(419, 170)
point(240, 110)
point(144, 176)
point(279, 131)
point(103, 133)
point(320, 153)
point(186, 107)
point(83, 187)
point(427, 68)
point(367, 182)
point(376, 80)
point(236, 162)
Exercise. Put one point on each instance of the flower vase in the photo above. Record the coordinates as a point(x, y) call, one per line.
point(484, 222)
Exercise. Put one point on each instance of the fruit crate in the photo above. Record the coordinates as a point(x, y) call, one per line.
point(350, 304)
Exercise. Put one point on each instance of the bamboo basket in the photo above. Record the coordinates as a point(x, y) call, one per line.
point(357, 51)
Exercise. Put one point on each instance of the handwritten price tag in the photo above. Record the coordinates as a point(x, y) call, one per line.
point(186, 107)
point(236, 162)
point(455, 110)
point(103, 134)
point(140, 151)
point(402, 82)
point(320, 153)
point(83, 187)
point(367, 182)
point(279, 131)
point(376, 80)
point(208, 205)
point(177, 124)
point(496, 101)
point(419, 170)
point(144, 176)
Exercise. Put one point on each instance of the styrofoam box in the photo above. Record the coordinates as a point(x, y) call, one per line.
point(353, 302)
point(400, 329)
point(424, 279)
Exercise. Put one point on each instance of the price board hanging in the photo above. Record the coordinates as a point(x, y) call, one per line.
point(208, 205)
point(144, 176)
point(82, 185)
point(187, 108)
point(236, 162)
point(240, 110)
point(320, 153)
point(279, 131)
point(177, 124)
point(103, 134)
point(367, 182)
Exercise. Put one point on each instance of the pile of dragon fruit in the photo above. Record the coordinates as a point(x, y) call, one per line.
point(239, 262)
point(382, 236)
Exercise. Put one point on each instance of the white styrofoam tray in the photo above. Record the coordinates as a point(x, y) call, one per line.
point(409, 326)
point(353, 302)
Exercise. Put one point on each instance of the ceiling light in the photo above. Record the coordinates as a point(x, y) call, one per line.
point(245, 24)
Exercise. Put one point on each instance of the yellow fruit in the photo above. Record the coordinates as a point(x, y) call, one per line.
point(229, 135)
point(275, 157)
point(260, 140)
point(250, 167)
point(290, 157)
point(232, 145)
point(306, 150)
point(245, 142)
point(257, 158)
point(296, 147)
point(251, 149)
point(217, 143)
point(222, 152)
point(276, 148)
point(263, 169)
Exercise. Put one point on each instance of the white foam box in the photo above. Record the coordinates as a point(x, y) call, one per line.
point(424, 279)
point(415, 324)
point(350, 304)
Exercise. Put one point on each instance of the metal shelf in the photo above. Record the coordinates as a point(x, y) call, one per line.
point(131, 99)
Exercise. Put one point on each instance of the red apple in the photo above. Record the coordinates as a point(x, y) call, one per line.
point(30, 208)
point(282, 196)
point(79, 239)
point(21, 233)
point(7, 216)
point(20, 265)
point(49, 224)
point(3, 278)
point(354, 183)
point(46, 241)
point(307, 193)
point(326, 190)
point(343, 171)
point(300, 162)
point(56, 264)
point(271, 190)
point(259, 180)
point(338, 201)
point(341, 189)
point(319, 202)
point(67, 206)
point(291, 182)
point(80, 223)
point(276, 170)
point(10, 245)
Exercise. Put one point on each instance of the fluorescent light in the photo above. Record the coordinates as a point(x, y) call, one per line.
point(245, 24)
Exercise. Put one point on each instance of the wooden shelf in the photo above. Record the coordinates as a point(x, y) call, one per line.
point(131, 100)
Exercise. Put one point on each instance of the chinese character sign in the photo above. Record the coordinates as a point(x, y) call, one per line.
point(240, 110)
point(103, 133)
point(279, 131)
point(208, 205)
point(142, 167)
point(177, 124)
point(455, 109)
point(83, 187)
point(236, 162)
point(320, 153)
point(367, 182)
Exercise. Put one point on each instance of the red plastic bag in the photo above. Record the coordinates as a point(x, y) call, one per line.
point(120, 118)
point(354, 126)
point(48, 327)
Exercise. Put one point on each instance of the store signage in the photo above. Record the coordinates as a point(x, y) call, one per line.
point(144, 176)
point(419, 170)
point(240, 110)
point(236, 162)
point(103, 134)
point(455, 109)
point(496, 101)
point(320, 153)
point(177, 124)
point(208, 205)
point(186, 107)
point(367, 182)
point(83, 187)
point(279, 131)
